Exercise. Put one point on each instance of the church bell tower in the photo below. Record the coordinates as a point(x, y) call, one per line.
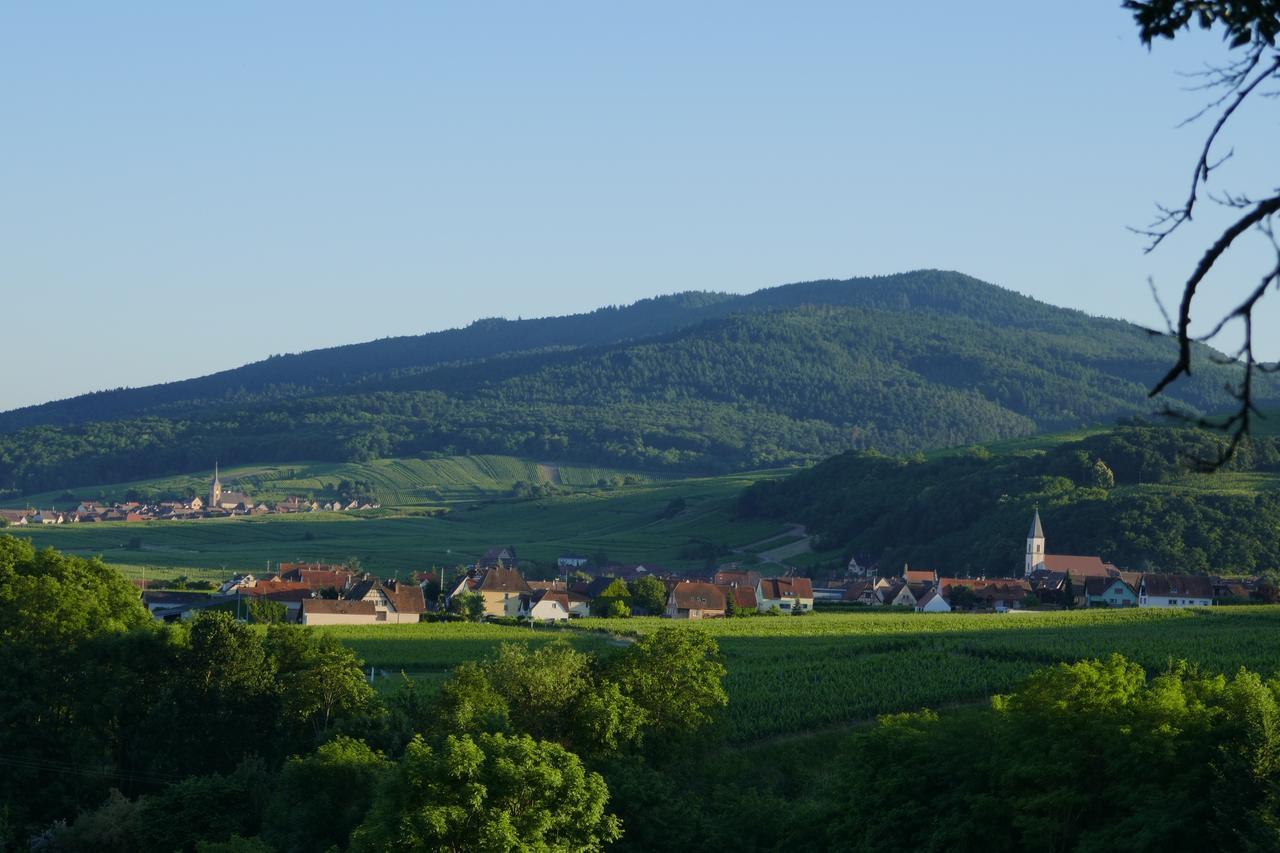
point(215, 489)
point(1035, 544)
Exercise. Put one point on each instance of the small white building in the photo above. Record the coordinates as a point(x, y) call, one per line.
point(325, 611)
point(933, 602)
point(789, 595)
point(1160, 590)
point(544, 605)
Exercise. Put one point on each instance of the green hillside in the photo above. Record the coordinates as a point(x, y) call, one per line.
point(392, 482)
point(628, 523)
point(1128, 494)
point(701, 383)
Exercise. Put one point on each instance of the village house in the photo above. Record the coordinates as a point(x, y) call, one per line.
point(1161, 590)
point(933, 602)
point(998, 594)
point(899, 595)
point(789, 595)
point(695, 600)
point(928, 577)
point(1003, 594)
point(331, 611)
point(292, 598)
point(500, 588)
point(317, 576)
point(578, 605)
point(860, 592)
point(544, 605)
point(1109, 592)
point(393, 601)
point(504, 555)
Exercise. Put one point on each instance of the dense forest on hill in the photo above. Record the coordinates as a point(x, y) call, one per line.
point(1124, 494)
point(695, 382)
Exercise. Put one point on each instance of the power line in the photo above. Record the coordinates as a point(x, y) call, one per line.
point(31, 763)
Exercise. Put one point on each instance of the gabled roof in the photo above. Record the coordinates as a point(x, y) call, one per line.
point(339, 606)
point(856, 590)
point(404, 597)
point(930, 596)
point(1099, 586)
point(502, 579)
point(1078, 566)
point(744, 597)
point(696, 595)
point(779, 588)
point(737, 577)
point(531, 599)
point(502, 554)
point(919, 575)
point(1191, 586)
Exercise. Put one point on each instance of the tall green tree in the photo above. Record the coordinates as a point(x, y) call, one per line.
point(320, 798)
point(493, 792)
point(676, 676)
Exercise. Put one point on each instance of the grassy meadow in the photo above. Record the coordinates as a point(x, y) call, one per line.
point(396, 482)
point(790, 675)
point(628, 523)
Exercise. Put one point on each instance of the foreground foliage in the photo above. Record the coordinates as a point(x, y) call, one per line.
point(1087, 756)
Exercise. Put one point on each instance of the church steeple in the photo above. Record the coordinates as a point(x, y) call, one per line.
point(215, 489)
point(1035, 544)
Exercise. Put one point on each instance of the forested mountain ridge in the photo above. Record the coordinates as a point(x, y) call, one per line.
point(1127, 494)
point(371, 363)
point(698, 382)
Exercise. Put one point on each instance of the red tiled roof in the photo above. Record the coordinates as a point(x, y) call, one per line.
point(1077, 566)
point(502, 579)
point(735, 577)
point(1191, 586)
point(778, 588)
point(744, 597)
point(339, 606)
point(696, 595)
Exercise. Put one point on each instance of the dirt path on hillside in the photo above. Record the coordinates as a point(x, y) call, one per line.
point(803, 545)
point(550, 472)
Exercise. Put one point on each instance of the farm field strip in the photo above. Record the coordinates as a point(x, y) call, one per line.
point(788, 674)
point(628, 523)
point(396, 481)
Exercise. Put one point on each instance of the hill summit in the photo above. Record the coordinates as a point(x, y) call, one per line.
point(694, 381)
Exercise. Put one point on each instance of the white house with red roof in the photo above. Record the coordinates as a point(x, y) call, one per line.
point(788, 595)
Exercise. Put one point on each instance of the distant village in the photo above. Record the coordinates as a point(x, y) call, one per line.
point(495, 588)
point(218, 504)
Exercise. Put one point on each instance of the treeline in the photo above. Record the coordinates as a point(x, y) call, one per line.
point(1115, 494)
point(119, 734)
point(749, 391)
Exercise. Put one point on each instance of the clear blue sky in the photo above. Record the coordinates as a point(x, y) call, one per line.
point(186, 187)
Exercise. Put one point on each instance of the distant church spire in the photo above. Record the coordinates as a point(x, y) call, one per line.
point(215, 489)
point(1035, 544)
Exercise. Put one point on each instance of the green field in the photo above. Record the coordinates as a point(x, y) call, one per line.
point(627, 523)
point(792, 675)
point(396, 482)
